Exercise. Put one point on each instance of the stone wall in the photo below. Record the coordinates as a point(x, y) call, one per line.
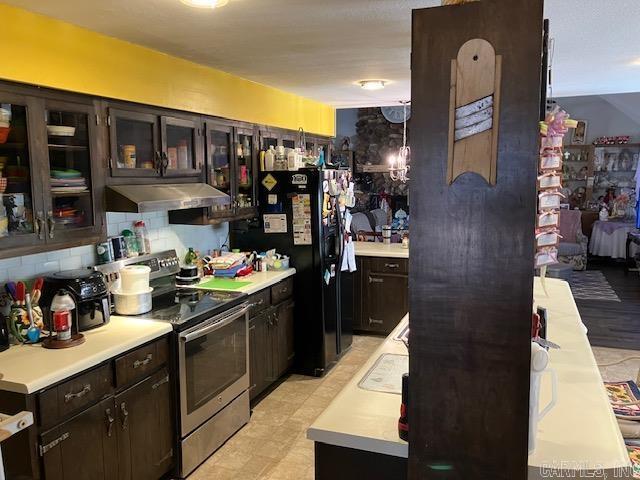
point(376, 140)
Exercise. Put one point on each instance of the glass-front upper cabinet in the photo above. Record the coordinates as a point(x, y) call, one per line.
point(72, 160)
point(219, 149)
point(289, 140)
point(21, 210)
point(135, 143)
point(245, 171)
point(181, 147)
point(268, 138)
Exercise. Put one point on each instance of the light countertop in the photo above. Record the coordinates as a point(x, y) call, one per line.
point(378, 249)
point(580, 432)
point(29, 368)
point(259, 280)
point(363, 419)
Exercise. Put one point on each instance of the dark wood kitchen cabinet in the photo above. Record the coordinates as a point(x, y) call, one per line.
point(231, 164)
point(271, 336)
point(50, 182)
point(89, 426)
point(260, 372)
point(381, 294)
point(83, 447)
point(153, 143)
point(145, 429)
point(282, 337)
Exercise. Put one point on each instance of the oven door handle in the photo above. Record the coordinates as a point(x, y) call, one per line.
point(201, 332)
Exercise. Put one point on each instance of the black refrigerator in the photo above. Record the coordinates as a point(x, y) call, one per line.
point(300, 216)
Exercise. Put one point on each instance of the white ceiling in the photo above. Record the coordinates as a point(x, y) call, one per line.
point(319, 49)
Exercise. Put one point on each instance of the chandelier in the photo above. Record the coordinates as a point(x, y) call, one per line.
point(399, 164)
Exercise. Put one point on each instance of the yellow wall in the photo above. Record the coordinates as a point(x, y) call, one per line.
point(43, 51)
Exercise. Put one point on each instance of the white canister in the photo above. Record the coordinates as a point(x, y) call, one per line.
point(134, 279)
point(133, 303)
point(539, 366)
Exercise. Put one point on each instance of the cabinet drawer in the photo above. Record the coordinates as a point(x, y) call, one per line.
point(260, 301)
point(389, 265)
point(141, 362)
point(281, 291)
point(74, 395)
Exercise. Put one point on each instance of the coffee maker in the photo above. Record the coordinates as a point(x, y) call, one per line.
point(89, 292)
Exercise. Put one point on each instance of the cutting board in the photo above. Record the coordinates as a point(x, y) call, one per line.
point(222, 284)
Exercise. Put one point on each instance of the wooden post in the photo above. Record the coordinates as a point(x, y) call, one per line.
point(471, 275)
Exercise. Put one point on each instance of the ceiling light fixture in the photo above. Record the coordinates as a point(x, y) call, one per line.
point(205, 3)
point(372, 84)
point(636, 62)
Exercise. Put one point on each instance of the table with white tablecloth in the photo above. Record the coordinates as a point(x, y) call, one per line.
point(609, 239)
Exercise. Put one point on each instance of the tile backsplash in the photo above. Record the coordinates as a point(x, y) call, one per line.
point(163, 237)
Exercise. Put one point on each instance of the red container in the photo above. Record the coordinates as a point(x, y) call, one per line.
point(4, 134)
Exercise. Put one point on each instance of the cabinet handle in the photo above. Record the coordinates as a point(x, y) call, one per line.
point(38, 226)
point(45, 448)
point(160, 382)
point(51, 224)
point(142, 363)
point(71, 396)
point(257, 304)
point(164, 164)
point(373, 321)
point(125, 415)
point(375, 279)
point(157, 162)
point(392, 265)
point(110, 421)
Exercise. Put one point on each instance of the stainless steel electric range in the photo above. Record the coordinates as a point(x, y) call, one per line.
point(210, 344)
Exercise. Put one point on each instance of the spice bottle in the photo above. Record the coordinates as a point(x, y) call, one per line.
point(142, 235)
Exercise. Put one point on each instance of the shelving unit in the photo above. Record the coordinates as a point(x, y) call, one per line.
point(589, 170)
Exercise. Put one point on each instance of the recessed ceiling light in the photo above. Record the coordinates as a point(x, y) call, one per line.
point(636, 62)
point(372, 84)
point(205, 3)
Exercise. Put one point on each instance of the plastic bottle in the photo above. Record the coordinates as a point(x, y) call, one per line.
point(291, 160)
point(270, 159)
point(191, 257)
point(131, 242)
point(142, 235)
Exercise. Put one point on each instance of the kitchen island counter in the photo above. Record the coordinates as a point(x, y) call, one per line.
point(580, 432)
point(377, 249)
point(30, 368)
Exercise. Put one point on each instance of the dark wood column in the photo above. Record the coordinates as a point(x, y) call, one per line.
point(471, 275)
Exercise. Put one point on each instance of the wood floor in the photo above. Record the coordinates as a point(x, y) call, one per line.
point(614, 324)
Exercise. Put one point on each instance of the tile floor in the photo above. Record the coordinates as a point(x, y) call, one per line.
point(274, 445)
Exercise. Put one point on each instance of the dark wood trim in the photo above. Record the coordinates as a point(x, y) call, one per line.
point(472, 248)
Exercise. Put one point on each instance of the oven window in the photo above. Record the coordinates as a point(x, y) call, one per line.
point(215, 361)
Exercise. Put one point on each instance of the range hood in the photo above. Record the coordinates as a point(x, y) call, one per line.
point(156, 198)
